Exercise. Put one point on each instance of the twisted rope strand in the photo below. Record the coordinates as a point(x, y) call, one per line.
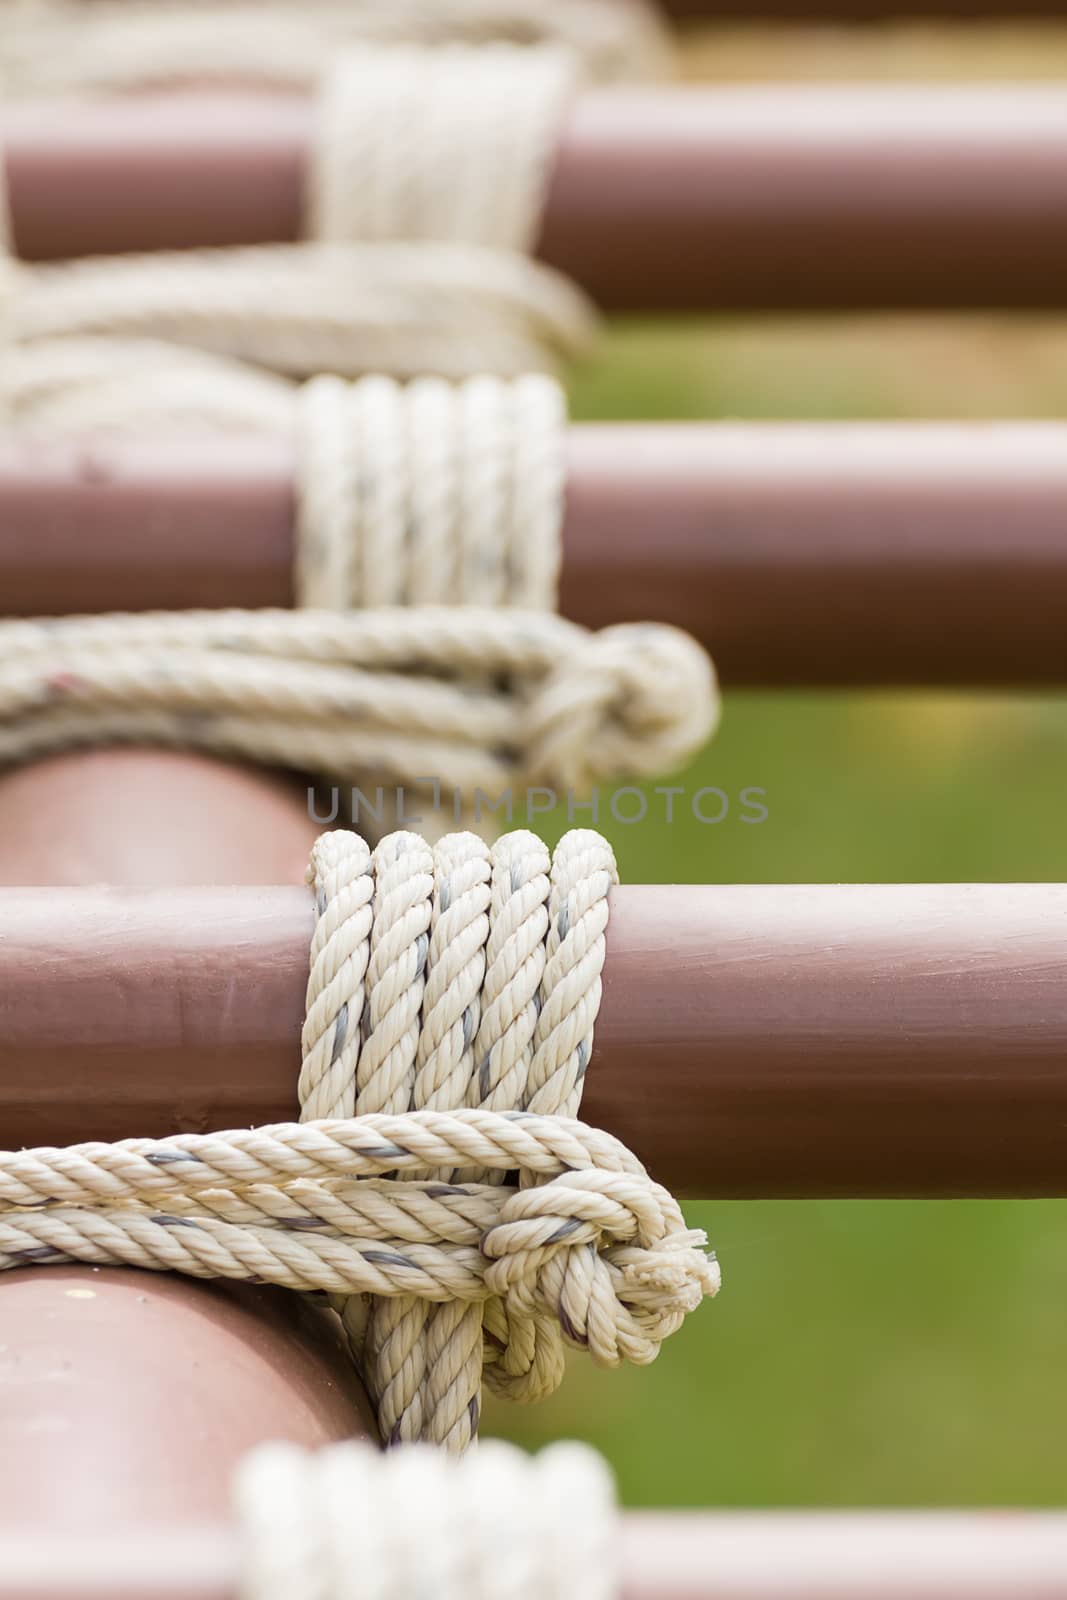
point(479, 699)
point(424, 992)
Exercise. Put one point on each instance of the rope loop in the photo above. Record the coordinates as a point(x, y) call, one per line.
point(633, 699)
point(478, 700)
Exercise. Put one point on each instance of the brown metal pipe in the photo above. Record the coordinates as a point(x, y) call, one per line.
point(690, 198)
point(769, 1040)
point(830, 554)
point(128, 1398)
point(664, 1556)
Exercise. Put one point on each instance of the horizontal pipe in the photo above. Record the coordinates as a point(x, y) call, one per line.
point(129, 1398)
point(661, 1556)
point(691, 198)
point(753, 1040)
point(800, 554)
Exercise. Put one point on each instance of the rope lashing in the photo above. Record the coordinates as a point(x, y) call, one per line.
point(476, 699)
point(336, 1523)
point(418, 268)
point(59, 46)
point(456, 989)
point(430, 493)
point(450, 144)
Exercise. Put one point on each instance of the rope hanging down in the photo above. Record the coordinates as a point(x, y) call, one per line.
point(417, 266)
point(50, 46)
point(451, 1003)
point(479, 700)
point(496, 1525)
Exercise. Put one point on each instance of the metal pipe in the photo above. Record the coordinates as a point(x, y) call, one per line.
point(662, 1556)
point(692, 198)
point(752, 1040)
point(812, 553)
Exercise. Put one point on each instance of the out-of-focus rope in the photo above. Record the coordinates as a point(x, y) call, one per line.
point(472, 699)
point(496, 1525)
point(430, 493)
point(63, 46)
point(425, 187)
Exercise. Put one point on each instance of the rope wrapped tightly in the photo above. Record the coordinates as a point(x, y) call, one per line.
point(423, 493)
point(451, 1002)
point(58, 46)
point(473, 699)
point(426, 186)
point(496, 1525)
point(430, 493)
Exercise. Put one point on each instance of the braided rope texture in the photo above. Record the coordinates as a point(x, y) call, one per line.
point(451, 1001)
point(414, 265)
point(336, 1524)
point(60, 46)
point(430, 493)
point(472, 699)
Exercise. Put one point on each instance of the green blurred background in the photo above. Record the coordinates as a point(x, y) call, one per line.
point(861, 1352)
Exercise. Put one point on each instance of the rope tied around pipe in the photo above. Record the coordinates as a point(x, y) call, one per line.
point(426, 186)
point(430, 493)
point(451, 1001)
point(448, 700)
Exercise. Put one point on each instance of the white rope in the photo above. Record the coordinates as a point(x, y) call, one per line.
point(429, 493)
point(425, 187)
point(477, 699)
point(59, 46)
point(447, 144)
point(450, 1027)
point(447, 978)
point(296, 310)
point(344, 1523)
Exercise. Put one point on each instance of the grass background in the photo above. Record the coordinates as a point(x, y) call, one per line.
point(861, 1352)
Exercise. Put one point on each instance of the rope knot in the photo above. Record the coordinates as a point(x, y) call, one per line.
point(605, 1255)
point(636, 699)
point(457, 988)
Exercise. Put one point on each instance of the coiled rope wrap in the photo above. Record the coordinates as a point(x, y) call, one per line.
point(445, 986)
point(415, 267)
point(430, 493)
point(496, 1525)
point(461, 698)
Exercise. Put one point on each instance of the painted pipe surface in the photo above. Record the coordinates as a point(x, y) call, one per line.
point(681, 199)
point(799, 554)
